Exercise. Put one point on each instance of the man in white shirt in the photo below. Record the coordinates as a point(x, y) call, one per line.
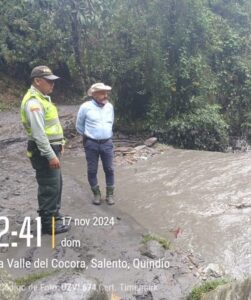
point(94, 122)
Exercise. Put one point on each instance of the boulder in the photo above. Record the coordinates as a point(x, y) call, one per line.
point(150, 142)
point(140, 147)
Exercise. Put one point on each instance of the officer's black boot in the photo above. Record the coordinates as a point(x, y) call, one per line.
point(59, 227)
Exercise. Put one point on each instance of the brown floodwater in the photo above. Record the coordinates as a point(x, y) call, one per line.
point(190, 197)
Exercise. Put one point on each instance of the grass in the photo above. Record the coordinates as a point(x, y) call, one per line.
point(162, 241)
point(27, 280)
point(206, 287)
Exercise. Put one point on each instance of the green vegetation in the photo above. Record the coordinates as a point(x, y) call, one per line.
point(204, 129)
point(206, 287)
point(179, 69)
point(27, 280)
point(162, 241)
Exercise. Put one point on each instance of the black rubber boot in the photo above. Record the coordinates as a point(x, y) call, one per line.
point(59, 216)
point(59, 228)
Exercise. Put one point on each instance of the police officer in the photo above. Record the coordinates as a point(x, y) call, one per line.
point(95, 121)
point(45, 145)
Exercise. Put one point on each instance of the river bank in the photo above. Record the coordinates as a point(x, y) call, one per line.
point(142, 209)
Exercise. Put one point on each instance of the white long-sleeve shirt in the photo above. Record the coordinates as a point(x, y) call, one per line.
point(95, 121)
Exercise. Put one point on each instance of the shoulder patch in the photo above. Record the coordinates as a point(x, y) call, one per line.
point(34, 108)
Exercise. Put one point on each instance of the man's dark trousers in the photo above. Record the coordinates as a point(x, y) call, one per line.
point(104, 150)
point(49, 184)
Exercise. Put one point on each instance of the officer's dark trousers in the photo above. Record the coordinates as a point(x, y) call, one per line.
point(94, 150)
point(49, 185)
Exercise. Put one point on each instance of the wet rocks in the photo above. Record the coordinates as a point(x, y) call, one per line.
point(213, 270)
point(235, 290)
point(150, 142)
point(8, 290)
point(131, 152)
point(64, 286)
point(152, 249)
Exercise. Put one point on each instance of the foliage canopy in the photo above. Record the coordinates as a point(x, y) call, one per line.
point(181, 69)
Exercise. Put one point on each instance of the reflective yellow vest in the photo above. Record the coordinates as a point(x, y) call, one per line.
point(53, 128)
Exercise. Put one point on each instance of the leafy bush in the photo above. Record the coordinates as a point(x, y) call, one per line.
point(203, 129)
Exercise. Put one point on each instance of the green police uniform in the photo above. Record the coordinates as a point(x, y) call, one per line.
point(45, 139)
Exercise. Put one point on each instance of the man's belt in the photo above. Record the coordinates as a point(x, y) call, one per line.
point(98, 141)
point(33, 146)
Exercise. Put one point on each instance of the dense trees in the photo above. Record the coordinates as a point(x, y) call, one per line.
point(180, 68)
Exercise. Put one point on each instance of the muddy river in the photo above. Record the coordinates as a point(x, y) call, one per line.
point(199, 200)
point(195, 193)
